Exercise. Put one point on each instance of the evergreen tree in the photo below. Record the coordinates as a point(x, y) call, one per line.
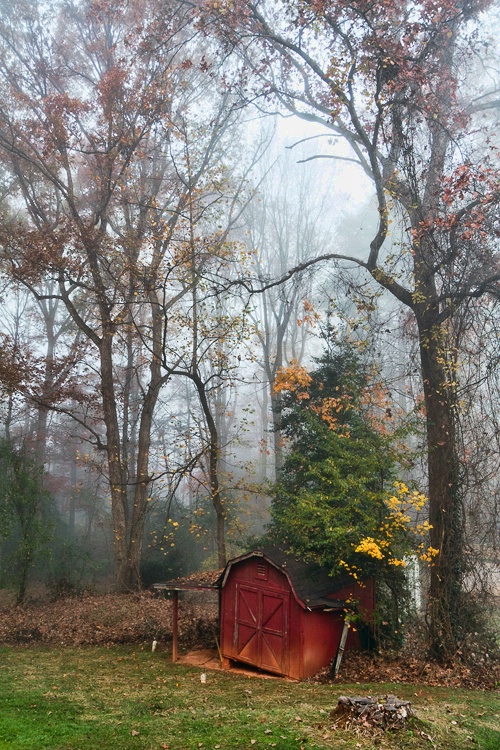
point(338, 500)
point(24, 525)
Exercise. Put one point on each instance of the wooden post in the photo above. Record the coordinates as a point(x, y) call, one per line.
point(175, 625)
point(340, 652)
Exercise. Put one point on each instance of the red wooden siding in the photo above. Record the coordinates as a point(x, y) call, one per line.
point(261, 632)
point(321, 632)
point(265, 624)
point(255, 616)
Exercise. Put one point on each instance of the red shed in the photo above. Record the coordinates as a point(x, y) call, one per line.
point(285, 616)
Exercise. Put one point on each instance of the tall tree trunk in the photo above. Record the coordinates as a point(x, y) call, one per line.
point(445, 513)
point(140, 503)
point(42, 417)
point(142, 481)
point(117, 479)
point(72, 496)
point(276, 407)
point(217, 502)
point(213, 472)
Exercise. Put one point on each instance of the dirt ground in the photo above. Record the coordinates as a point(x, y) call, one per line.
point(111, 619)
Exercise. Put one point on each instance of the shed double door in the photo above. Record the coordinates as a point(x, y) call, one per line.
point(261, 635)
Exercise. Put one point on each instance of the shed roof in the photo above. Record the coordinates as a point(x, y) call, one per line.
point(310, 582)
point(209, 579)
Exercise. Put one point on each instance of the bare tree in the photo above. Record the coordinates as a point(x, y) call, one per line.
point(285, 226)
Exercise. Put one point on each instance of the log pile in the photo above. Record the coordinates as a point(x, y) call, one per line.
point(387, 713)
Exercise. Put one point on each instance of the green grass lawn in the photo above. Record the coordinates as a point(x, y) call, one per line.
point(123, 698)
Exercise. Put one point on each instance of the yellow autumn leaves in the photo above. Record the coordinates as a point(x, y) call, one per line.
point(402, 505)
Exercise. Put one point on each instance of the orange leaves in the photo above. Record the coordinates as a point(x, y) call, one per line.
point(310, 315)
point(294, 379)
point(329, 410)
point(59, 110)
point(374, 400)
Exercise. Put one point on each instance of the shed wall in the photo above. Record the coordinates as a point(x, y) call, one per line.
point(321, 632)
point(263, 624)
point(260, 618)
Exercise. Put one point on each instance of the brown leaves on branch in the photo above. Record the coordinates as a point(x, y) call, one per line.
point(13, 366)
point(24, 373)
point(31, 254)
